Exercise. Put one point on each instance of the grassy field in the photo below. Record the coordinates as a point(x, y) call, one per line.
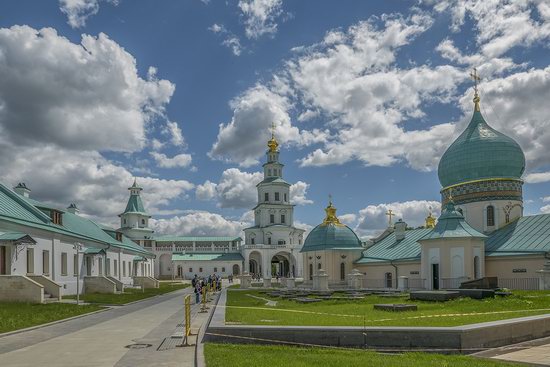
point(15, 315)
point(231, 355)
point(130, 294)
point(243, 309)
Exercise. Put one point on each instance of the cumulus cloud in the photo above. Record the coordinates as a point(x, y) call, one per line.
point(298, 193)
point(179, 160)
point(78, 11)
point(230, 40)
point(373, 218)
point(260, 16)
point(206, 191)
point(174, 131)
point(197, 224)
point(537, 177)
point(100, 102)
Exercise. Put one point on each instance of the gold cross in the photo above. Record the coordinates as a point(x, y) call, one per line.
point(476, 79)
point(390, 215)
point(329, 199)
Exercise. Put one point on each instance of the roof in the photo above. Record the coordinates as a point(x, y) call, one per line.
point(451, 224)
point(195, 239)
point(139, 258)
point(390, 249)
point(331, 237)
point(274, 179)
point(210, 256)
point(480, 152)
point(527, 235)
point(94, 251)
point(135, 205)
point(16, 237)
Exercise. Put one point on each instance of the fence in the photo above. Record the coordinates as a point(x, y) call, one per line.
point(451, 283)
point(528, 284)
point(379, 283)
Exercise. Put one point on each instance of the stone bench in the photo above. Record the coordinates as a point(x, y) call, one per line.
point(396, 307)
point(438, 296)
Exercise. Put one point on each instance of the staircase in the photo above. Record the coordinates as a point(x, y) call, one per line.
point(48, 298)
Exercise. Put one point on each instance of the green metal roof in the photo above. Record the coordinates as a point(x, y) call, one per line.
point(480, 152)
point(331, 237)
point(94, 251)
point(526, 235)
point(139, 258)
point(390, 249)
point(195, 239)
point(135, 205)
point(274, 179)
point(451, 224)
point(14, 206)
point(16, 236)
point(210, 256)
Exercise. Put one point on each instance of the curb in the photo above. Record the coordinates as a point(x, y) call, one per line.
point(199, 346)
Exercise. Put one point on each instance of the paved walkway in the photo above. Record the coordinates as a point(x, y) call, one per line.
point(535, 352)
point(102, 339)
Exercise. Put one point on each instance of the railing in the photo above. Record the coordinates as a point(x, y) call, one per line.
point(267, 246)
point(519, 283)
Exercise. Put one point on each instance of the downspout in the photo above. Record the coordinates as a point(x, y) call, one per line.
point(396, 273)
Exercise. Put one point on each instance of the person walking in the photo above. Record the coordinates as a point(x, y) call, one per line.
point(198, 290)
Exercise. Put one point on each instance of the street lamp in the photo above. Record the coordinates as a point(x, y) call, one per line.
point(77, 247)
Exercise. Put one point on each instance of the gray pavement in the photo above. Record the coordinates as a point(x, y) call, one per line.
point(102, 339)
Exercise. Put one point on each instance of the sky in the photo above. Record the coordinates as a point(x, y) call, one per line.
point(181, 94)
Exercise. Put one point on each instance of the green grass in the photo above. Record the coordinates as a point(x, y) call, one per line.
point(243, 309)
point(130, 294)
point(232, 355)
point(15, 315)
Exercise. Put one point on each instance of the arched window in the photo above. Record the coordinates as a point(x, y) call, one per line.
point(388, 279)
point(342, 271)
point(319, 266)
point(143, 221)
point(310, 271)
point(490, 216)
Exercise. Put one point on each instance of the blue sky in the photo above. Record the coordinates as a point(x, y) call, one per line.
point(366, 96)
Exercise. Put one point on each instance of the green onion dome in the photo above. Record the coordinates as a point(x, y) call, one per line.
point(480, 152)
point(331, 235)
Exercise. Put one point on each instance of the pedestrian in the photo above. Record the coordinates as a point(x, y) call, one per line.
point(198, 290)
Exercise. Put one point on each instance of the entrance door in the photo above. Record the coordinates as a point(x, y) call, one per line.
point(435, 276)
point(3, 260)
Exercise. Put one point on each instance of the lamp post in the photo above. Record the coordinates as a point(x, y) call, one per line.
point(77, 247)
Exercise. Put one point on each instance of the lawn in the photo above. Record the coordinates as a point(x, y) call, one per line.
point(243, 309)
point(14, 315)
point(232, 355)
point(130, 294)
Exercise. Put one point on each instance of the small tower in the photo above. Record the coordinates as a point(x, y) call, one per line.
point(73, 209)
point(134, 221)
point(22, 189)
point(430, 220)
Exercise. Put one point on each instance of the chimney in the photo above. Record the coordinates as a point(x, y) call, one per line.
point(22, 189)
point(73, 209)
point(400, 228)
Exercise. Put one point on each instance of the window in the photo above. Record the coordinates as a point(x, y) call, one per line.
point(300, 241)
point(319, 266)
point(63, 263)
point(277, 196)
point(266, 196)
point(56, 217)
point(269, 172)
point(252, 241)
point(118, 236)
point(281, 242)
point(285, 197)
point(30, 261)
point(129, 268)
point(108, 267)
point(269, 240)
point(75, 265)
point(215, 270)
point(143, 221)
point(115, 267)
point(124, 268)
point(46, 262)
point(100, 267)
point(490, 216)
point(223, 270)
point(282, 218)
point(310, 271)
point(124, 220)
point(342, 271)
point(190, 270)
point(271, 218)
point(200, 270)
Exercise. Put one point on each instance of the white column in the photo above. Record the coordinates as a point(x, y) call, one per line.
point(194, 246)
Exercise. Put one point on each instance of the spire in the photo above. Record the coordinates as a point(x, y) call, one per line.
point(430, 220)
point(476, 79)
point(331, 217)
point(272, 144)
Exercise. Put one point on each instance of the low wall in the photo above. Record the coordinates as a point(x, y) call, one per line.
point(19, 288)
point(458, 339)
point(146, 282)
point(49, 285)
point(118, 283)
point(99, 284)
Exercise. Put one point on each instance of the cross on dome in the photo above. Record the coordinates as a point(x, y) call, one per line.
point(476, 79)
point(272, 144)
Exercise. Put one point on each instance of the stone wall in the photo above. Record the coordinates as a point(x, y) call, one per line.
point(19, 288)
point(147, 282)
point(99, 285)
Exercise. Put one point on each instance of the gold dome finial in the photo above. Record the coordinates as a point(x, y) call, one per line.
point(272, 144)
point(331, 217)
point(476, 79)
point(430, 220)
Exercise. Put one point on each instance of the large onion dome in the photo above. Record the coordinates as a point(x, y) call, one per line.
point(331, 235)
point(480, 152)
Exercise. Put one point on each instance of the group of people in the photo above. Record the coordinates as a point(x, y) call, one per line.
point(213, 281)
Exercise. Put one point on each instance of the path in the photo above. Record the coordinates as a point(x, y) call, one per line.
point(535, 352)
point(102, 339)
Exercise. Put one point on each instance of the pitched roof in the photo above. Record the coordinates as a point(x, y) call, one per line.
point(195, 239)
point(451, 224)
point(135, 205)
point(390, 249)
point(17, 237)
point(530, 234)
point(210, 256)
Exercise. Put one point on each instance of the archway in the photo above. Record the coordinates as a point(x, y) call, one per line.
point(255, 263)
point(280, 264)
point(236, 269)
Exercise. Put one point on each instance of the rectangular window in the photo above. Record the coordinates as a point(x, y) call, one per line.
point(190, 270)
point(115, 267)
point(200, 270)
point(46, 262)
point(215, 270)
point(266, 196)
point(63, 263)
point(277, 196)
point(223, 270)
point(75, 265)
point(56, 217)
point(108, 267)
point(282, 218)
point(100, 267)
point(285, 197)
point(269, 240)
point(118, 236)
point(124, 268)
point(30, 261)
point(252, 241)
point(271, 218)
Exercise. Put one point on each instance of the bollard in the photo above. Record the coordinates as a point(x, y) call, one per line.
point(187, 331)
point(204, 308)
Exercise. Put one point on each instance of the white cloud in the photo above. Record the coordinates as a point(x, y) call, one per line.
point(230, 40)
point(180, 160)
point(349, 219)
point(260, 16)
point(537, 177)
point(545, 209)
point(373, 218)
point(197, 224)
point(206, 191)
point(298, 193)
point(174, 131)
point(99, 103)
point(78, 11)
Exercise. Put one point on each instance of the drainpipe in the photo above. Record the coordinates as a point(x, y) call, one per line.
point(396, 273)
